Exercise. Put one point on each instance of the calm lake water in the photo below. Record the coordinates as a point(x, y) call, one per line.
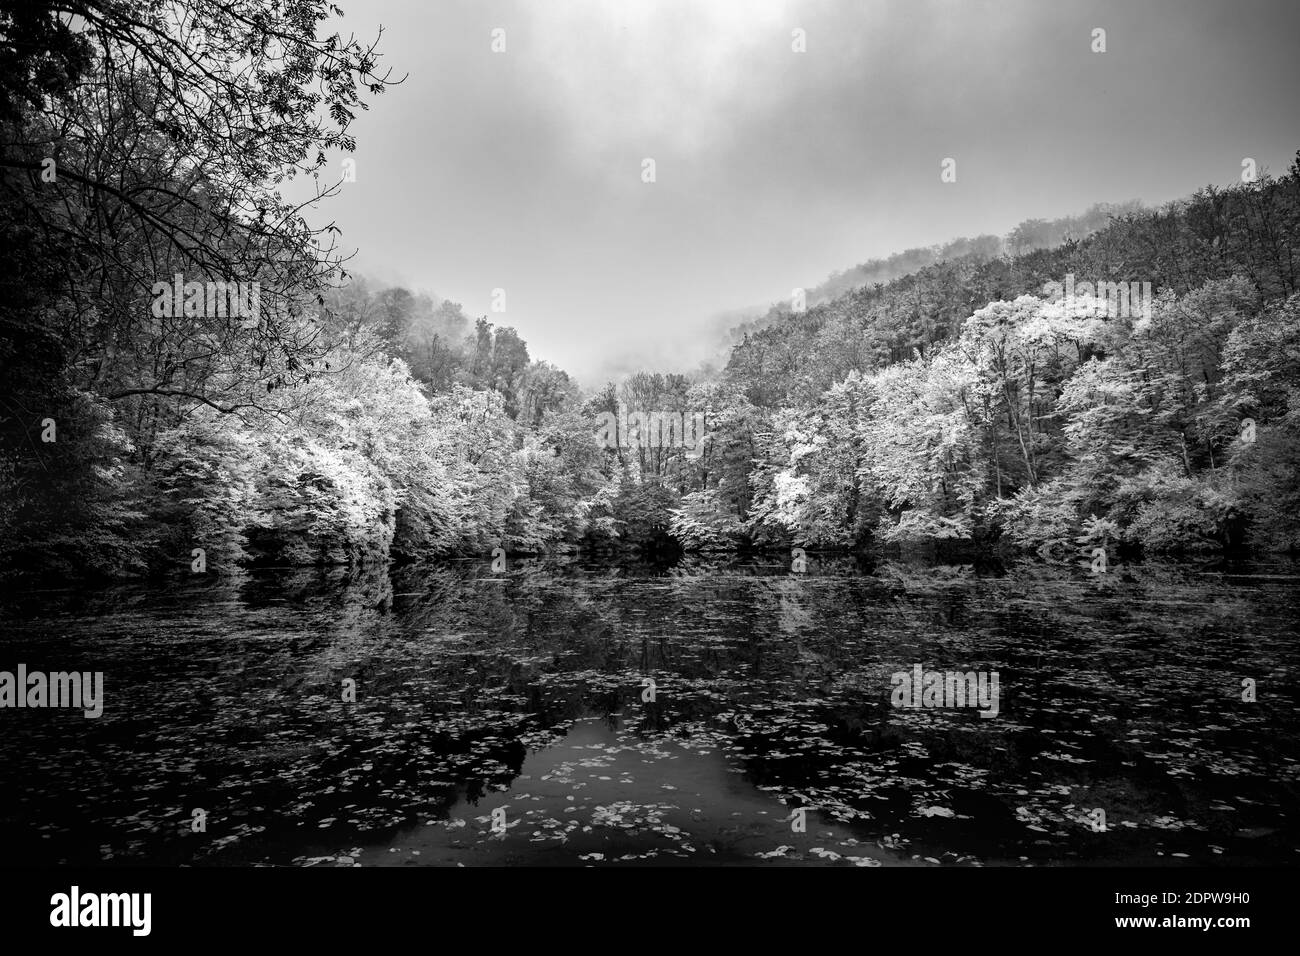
point(503, 718)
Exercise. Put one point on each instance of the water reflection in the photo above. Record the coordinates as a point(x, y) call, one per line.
point(477, 691)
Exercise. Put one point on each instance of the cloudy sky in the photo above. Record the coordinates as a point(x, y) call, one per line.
point(522, 170)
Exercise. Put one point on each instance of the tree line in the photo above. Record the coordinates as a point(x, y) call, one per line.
point(351, 423)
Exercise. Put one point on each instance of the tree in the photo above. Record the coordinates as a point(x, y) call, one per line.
point(171, 127)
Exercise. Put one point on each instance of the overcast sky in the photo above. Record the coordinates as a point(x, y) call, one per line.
point(522, 170)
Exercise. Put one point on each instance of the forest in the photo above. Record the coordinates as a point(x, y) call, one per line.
point(952, 403)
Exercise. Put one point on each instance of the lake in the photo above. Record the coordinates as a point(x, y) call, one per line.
point(717, 711)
